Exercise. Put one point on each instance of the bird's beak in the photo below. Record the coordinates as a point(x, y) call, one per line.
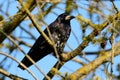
point(69, 17)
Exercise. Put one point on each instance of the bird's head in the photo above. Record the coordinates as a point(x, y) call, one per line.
point(64, 17)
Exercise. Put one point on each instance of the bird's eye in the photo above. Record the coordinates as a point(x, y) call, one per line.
point(64, 16)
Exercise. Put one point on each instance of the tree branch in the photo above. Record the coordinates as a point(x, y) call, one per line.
point(86, 69)
point(10, 24)
point(69, 56)
point(1, 53)
point(14, 77)
point(35, 23)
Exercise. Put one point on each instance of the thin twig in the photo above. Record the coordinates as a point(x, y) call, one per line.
point(12, 22)
point(14, 77)
point(35, 24)
point(76, 38)
point(86, 69)
point(5, 54)
point(10, 38)
point(49, 33)
point(69, 56)
point(27, 32)
point(21, 41)
point(78, 61)
point(114, 6)
point(40, 31)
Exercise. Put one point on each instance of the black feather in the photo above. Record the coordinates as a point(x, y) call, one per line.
point(60, 31)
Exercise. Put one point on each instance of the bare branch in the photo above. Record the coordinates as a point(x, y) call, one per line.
point(68, 56)
point(86, 69)
point(35, 23)
point(5, 54)
point(10, 38)
point(10, 24)
point(14, 77)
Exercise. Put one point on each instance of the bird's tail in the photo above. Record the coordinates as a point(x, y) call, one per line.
point(35, 57)
point(37, 52)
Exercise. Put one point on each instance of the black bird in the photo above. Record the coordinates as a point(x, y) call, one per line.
point(60, 31)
